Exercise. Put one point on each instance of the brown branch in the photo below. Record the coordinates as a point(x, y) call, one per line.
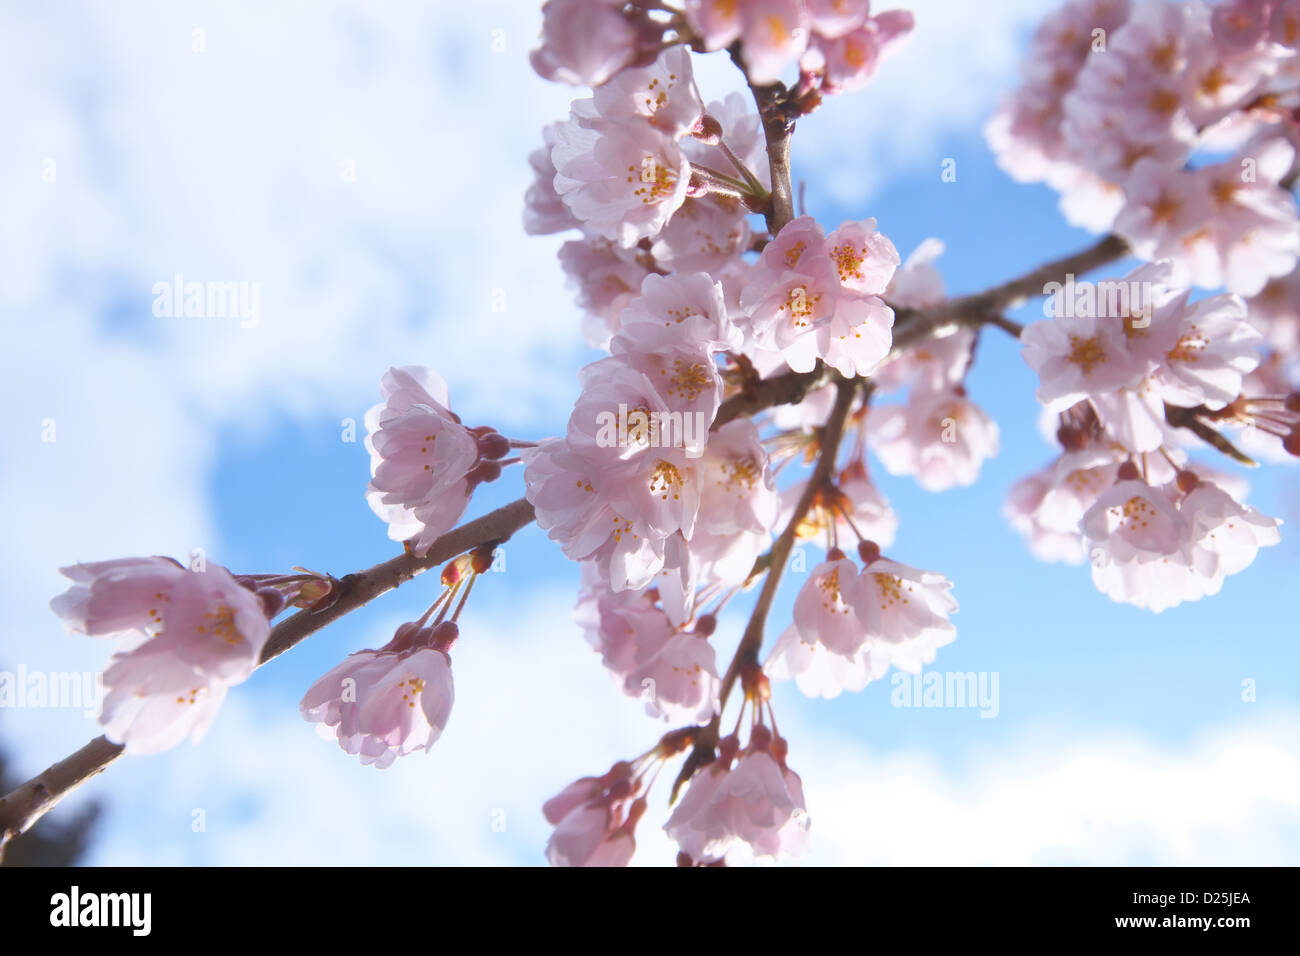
point(777, 114)
point(788, 388)
point(981, 308)
point(1189, 418)
point(751, 642)
point(21, 808)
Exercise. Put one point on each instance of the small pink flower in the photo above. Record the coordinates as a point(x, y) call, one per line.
point(773, 34)
point(1046, 507)
point(940, 438)
point(561, 486)
point(387, 703)
point(585, 42)
point(595, 820)
point(1079, 357)
point(825, 608)
point(834, 18)
point(544, 210)
point(716, 21)
point(819, 672)
point(607, 278)
point(663, 94)
point(905, 610)
point(420, 458)
point(186, 636)
point(810, 296)
point(758, 802)
point(684, 310)
point(622, 180)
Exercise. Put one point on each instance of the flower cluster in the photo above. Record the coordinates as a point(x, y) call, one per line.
point(851, 624)
point(185, 636)
point(1123, 381)
point(387, 703)
point(836, 43)
point(1125, 107)
point(742, 343)
point(425, 464)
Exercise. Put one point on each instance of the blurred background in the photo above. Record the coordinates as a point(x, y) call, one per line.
point(365, 165)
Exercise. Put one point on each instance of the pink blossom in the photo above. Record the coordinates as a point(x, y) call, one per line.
point(622, 180)
point(559, 485)
point(681, 311)
point(1046, 507)
point(387, 703)
point(825, 610)
point(1232, 531)
point(420, 458)
point(595, 819)
point(849, 59)
point(585, 42)
point(607, 278)
point(940, 438)
point(1140, 546)
point(663, 94)
point(818, 671)
point(834, 18)
point(773, 34)
point(808, 297)
point(717, 22)
point(704, 235)
point(1080, 356)
point(544, 210)
point(185, 637)
point(905, 610)
point(758, 802)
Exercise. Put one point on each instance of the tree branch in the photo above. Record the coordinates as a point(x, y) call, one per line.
point(20, 809)
point(751, 642)
point(914, 325)
point(774, 109)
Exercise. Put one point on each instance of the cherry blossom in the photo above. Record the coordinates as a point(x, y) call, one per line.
point(585, 42)
point(594, 819)
point(811, 296)
point(757, 802)
point(420, 457)
point(940, 438)
point(387, 703)
point(185, 637)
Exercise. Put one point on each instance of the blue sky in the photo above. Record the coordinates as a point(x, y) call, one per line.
point(1122, 736)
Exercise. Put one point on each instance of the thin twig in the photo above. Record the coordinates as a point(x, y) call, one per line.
point(751, 642)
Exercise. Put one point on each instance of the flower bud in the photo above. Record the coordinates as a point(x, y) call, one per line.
point(493, 445)
point(708, 130)
point(480, 560)
point(484, 471)
point(272, 599)
point(312, 592)
point(868, 551)
point(444, 635)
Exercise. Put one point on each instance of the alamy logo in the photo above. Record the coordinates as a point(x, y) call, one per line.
point(947, 689)
point(638, 428)
point(208, 300)
point(83, 690)
point(1109, 298)
point(74, 908)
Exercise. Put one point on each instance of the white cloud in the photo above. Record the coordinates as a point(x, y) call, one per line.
point(1232, 797)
